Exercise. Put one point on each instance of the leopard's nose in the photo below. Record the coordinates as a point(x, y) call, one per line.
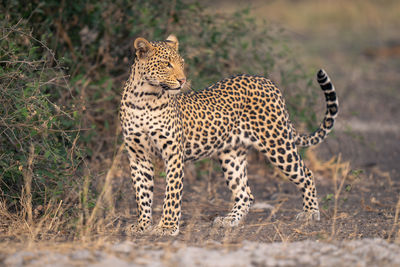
point(181, 81)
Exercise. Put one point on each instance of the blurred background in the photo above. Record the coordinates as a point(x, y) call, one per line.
point(358, 44)
point(63, 65)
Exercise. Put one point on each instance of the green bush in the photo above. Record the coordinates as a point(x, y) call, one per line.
point(33, 124)
point(62, 68)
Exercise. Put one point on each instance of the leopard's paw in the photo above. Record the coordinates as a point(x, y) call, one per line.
point(139, 228)
point(161, 230)
point(227, 221)
point(308, 216)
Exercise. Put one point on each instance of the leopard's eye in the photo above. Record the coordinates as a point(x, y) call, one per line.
point(169, 65)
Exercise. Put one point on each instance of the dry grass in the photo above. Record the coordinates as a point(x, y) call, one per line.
point(338, 189)
point(55, 223)
point(102, 225)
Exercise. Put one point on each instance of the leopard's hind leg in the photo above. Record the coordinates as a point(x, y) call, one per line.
point(234, 165)
point(282, 152)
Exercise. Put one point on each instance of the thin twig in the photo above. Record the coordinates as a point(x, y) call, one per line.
point(395, 223)
point(28, 174)
point(345, 172)
point(55, 215)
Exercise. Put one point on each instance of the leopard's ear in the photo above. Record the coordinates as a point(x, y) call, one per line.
point(172, 41)
point(143, 47)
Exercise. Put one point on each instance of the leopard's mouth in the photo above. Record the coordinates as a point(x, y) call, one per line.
point(164, 86)
point(168, 88)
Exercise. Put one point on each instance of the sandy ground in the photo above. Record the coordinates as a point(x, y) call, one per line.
point(367, 252)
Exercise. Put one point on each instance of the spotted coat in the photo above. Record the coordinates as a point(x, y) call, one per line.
point(225, 120)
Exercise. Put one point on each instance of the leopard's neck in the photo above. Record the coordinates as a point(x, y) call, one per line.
point(139, 93)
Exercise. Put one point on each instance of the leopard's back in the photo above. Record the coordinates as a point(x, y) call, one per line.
point(229, 113)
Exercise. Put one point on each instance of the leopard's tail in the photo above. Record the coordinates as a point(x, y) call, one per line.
point(332, 108)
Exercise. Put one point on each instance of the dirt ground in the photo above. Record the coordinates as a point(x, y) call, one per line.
point(356, 45)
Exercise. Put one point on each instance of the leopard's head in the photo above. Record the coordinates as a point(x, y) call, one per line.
point(160, 63)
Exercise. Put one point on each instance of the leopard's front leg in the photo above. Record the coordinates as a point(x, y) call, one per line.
point(169, 223)
point(142, 172)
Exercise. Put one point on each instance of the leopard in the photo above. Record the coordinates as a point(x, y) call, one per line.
point(159, 118)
